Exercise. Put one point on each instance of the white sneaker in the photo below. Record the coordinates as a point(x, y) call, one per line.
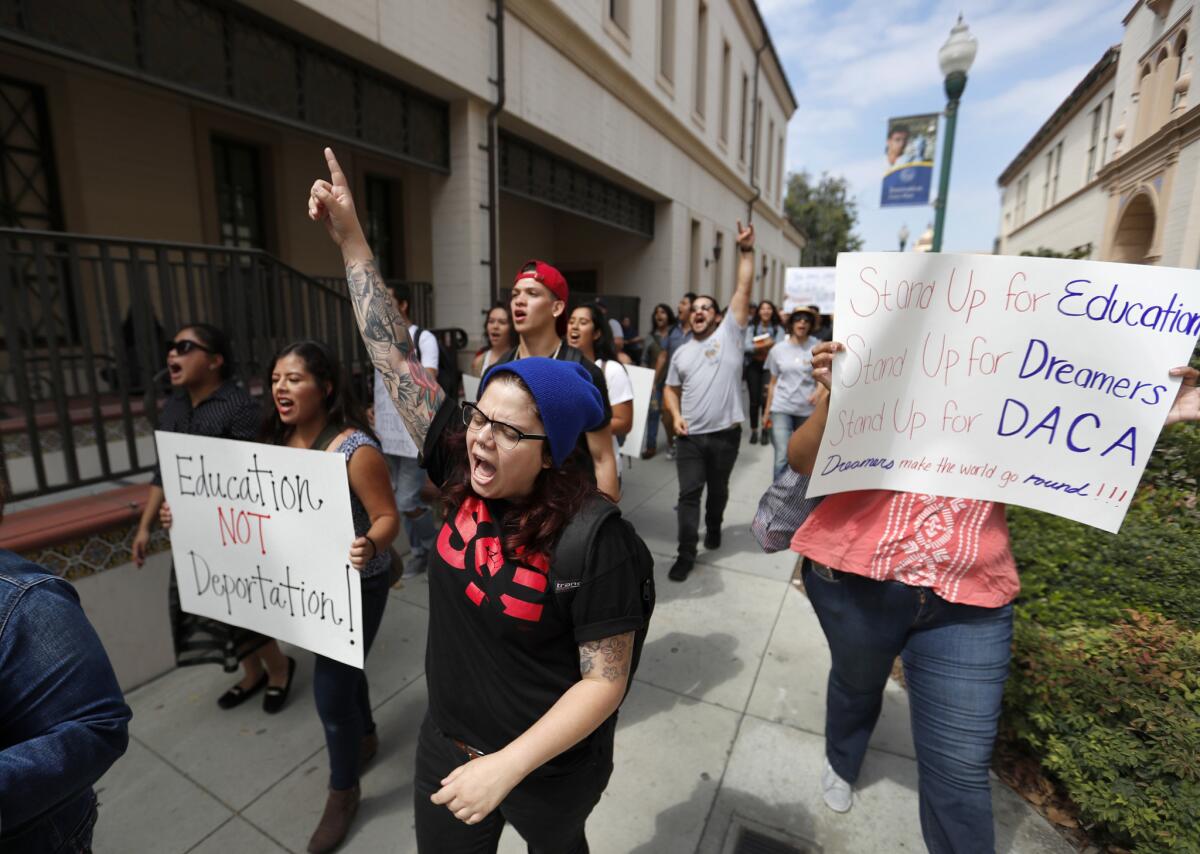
point(839, 795)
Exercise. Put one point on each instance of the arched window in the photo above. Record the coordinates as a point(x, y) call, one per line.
point(1179, 91)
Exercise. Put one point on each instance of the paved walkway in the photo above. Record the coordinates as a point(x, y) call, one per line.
point(721, 731)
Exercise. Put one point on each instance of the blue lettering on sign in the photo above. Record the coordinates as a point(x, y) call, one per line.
point(1015, 417)
point(836, 463)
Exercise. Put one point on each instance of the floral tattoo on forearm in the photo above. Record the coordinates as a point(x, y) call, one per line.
point(413, 390)
point(610, 657)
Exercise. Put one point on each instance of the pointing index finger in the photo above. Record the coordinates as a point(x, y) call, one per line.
point(336, 176)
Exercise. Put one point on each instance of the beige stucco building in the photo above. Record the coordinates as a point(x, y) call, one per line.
point(630, 137)
point(1113, 174)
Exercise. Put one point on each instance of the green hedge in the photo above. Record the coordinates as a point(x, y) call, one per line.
point(1105, 685)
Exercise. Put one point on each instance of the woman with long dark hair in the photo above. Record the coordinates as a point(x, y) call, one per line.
point(523, 689)
point(208, 402)
point(588, 331)
point(315, 407)
point(764, 333)
point(662, 320)
point(499, 338)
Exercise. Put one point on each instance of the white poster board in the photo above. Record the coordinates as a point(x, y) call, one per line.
point(1033, 381)
point(805, 286)
point(642, 380)
point(470, 388)
point(261, 537)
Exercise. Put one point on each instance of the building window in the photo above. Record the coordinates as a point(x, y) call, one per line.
point(701, 58)
point(1094, 144)
point(757, 154)
point(770, 156)
point(1022, 196)
point(724, 128)
point(238, 174)
point(694, 259)
point(618, 13)
point(666, 39)
point(1050, 188)
point(779, 173)
point(380, 223)
point(1180, 57)
point(742, 122)
point(1107, 105)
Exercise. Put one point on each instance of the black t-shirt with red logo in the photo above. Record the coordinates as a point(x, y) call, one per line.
point(501, 649)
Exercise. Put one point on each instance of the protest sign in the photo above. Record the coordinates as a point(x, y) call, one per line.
point(470, 388)
point(1032, 381)
point(642, 380)
point(261, 537)
point(805, 286)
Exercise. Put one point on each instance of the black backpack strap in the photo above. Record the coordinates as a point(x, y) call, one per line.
point(417, 343)
point(325, 437)
point(574, 547)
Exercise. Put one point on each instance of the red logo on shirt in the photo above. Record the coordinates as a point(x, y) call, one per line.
point(529, 569)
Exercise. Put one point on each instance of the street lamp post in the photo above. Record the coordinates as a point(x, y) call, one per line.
point(955, 58)
point(903, 235)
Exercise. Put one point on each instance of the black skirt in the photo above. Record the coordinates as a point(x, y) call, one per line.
point(201, 640)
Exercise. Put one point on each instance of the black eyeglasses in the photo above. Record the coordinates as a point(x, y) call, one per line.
point(185, 346)
point(507, 436)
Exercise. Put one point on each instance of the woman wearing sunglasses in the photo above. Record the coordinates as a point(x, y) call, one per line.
point(207, 402)
point(523, 693)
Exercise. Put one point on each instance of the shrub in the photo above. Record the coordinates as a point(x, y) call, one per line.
point(1114, 714)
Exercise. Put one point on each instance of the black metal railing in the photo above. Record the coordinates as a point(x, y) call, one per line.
point(84, 321)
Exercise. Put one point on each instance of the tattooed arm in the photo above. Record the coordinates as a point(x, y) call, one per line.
point(474, 789)
point(413, 390)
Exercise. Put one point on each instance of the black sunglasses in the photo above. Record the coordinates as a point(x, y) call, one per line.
point(186, 346)
point(507, 436)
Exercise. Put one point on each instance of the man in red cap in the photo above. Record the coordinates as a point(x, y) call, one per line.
point(539, 310)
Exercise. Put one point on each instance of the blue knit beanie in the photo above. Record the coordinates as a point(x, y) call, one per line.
point(564, 392)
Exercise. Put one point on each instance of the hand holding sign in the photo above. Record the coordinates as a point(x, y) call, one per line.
point(1187, 399)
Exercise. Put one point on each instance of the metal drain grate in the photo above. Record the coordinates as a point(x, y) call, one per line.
point(753, 842)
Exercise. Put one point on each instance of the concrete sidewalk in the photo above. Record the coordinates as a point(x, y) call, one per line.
point(722, 730)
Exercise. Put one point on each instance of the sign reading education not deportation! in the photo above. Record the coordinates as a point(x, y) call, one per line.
point(261, 537)
point(1031, 381)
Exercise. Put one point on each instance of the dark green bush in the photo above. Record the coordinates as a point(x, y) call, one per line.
point(1114, 714)
point(1108, 697)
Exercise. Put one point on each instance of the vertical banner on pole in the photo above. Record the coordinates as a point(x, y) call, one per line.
point(908, 172)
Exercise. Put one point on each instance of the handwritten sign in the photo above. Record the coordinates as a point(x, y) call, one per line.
point(805, 286)
point(1032, 381)
point(642, 380)
point(260, 536)
point(470, 388)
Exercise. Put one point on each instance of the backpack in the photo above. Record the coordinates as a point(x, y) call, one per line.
point(570, 558)
point(449, 377)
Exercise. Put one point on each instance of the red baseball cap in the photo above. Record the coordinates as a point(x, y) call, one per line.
point(549, 276)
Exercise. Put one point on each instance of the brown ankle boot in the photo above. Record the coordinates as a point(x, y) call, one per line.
point(340, 809)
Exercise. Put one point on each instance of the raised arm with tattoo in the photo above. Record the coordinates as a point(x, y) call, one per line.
point(415, 393)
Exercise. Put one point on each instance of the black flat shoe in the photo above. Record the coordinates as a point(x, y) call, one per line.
point(237, 695)
point(274, 699)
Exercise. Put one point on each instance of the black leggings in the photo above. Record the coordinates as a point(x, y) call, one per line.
point(549, 811)
point(757, 378)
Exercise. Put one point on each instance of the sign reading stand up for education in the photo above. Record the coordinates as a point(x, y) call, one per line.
point(1031, 381)
point(261, 538)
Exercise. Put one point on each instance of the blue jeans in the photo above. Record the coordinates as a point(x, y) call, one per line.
point(955, 663)
point(783, 426)
point(343, 700)
point(407, 479)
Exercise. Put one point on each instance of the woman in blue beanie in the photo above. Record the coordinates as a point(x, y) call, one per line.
point(523, 693)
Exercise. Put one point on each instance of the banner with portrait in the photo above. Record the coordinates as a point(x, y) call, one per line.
point(908, 167)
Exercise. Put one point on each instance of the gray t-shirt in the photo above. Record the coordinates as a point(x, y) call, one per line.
point(792, 365)
point(710, 374)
